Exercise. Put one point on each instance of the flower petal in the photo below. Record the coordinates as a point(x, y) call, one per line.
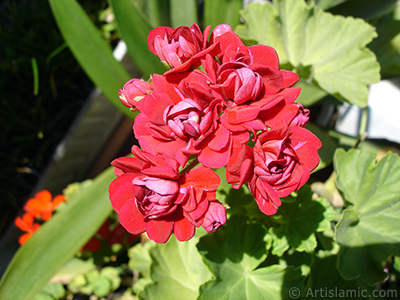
point(202, 178)
point(120, 191)
point(159, 230)
point(183, 230)
point(131, 219)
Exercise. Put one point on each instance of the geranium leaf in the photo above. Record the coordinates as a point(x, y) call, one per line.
point(298, 221)
point(326, 4)
point(233, 253)
point(396, 263)
point(365, 9)
point(326, 281)
point(330, 48)
point(177, 271)
point(329, 144)
point(387, 45)
point(368, 230)
point(139, 258)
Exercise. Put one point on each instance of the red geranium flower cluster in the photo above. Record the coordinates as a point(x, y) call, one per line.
point(40, 207)
point(224, 103)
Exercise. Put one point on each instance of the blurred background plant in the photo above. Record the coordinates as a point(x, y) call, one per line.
point(39, 101)
point(43, 88)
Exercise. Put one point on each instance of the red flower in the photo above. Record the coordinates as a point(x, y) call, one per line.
point(150, 195)
point(180, 48)
point(179, 121)
point(42, 205)
point(279, 164)
point(210, 113)
point(26, 224)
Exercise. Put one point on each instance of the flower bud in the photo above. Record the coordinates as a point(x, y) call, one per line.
point(214, 217)
point(134, 91)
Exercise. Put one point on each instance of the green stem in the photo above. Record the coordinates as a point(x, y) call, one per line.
point(189, 166)
point(362, 133)
point(35, 72)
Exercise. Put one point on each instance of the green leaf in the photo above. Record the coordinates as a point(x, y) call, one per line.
point(139, 258)
point(72, 268)
point(90, 49)
point(101, 287)
point(183, 12)
point(112, 274)
point(53, 290)
point(329, 145)
point(365, 9)
point(224, 187)
point(326, 282)
point(396, 263)
point(331, 48)
point(368, 230)
point(233, 254)
point(387, 45)
point(57, 240)
point(159, 12)
point(326, 4)
point(134, 29)
point(299, 221)
point(310, 93)
point(177, 271)
point(222, 12)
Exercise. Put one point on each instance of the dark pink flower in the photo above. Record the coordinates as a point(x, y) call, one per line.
point(279, 163)
point(180, 48)
point(224, 35)
point(214, 217)
point(178, 121)
point(283, 160)
point(302, 116)
point(134, 91)
point(150, 195)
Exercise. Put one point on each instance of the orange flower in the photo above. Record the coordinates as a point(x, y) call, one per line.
point(42, 205)
point(26, 224)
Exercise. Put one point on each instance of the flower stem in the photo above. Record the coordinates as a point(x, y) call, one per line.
point(189, 166)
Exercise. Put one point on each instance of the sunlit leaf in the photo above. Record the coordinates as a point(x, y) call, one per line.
point(233, 253)
point(298, 221)
point(139, 258)
point(368, 230)
point(327, 51)
point(177, 271)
